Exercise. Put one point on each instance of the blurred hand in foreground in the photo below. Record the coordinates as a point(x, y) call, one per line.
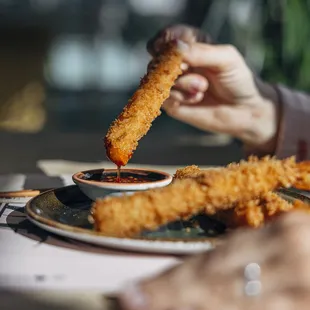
point(277, 257)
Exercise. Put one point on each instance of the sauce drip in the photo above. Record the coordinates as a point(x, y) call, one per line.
point(122, 176)
point(118, 177)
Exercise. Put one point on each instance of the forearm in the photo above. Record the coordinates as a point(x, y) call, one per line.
point(293, 133)
point(270, 94)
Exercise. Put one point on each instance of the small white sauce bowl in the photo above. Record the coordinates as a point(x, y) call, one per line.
point(90, 184)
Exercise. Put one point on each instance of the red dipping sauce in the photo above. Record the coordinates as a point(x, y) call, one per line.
point(126, 179)
point(123, 177)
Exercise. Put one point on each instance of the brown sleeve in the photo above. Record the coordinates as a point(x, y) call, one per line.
point(294, 120)
point(294, 130)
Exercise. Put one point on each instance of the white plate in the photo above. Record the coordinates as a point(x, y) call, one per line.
point(169, 247)
point(65, 212)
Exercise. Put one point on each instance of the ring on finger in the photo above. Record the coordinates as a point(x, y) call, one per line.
point(252, 283)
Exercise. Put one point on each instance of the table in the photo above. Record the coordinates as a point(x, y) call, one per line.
point(33, 260)
point(58, 273)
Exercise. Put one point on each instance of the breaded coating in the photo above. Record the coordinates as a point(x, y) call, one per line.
point(303, 180)
point(209, 192)
point(143, 107)
point(251, 213)
point(187, 172)
point(193, 171)
point(254, 213)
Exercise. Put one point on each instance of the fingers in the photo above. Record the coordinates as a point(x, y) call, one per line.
point(196, 54)
point(200, 278)
point(214, 57)
point(289, 220)
point(241, 248)
point(196, 115)
point(177, 32)
point(178, 98)
point(186, 288)
point(179, 288)
point(188, 89)
point(216, 280)
point(192, 83)
point(208, 115)
point(285, 300)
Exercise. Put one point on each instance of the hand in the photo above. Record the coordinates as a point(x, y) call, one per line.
point(215, 280)
point(218, 92)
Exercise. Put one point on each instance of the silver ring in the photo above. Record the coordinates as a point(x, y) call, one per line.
point(252, 285)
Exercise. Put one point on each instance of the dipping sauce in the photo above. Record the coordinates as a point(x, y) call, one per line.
point(125, 177)
point(128, 179)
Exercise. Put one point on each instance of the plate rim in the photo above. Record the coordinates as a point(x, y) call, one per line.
point(132, 244)
point(140, 245)
point(143, 244)
point(66, 227)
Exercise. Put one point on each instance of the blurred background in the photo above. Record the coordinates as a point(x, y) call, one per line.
point(68, 67)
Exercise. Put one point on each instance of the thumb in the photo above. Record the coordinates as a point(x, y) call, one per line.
point(191, 114)
point(208, 116)
point(182, 32)
point(215, 57)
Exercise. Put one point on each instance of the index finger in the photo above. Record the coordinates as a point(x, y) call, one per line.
point(216, 57)
point(185, 33)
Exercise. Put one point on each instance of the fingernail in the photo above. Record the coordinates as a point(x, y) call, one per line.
point(195, 86)
point(169, 36)
point(182, 46)
point(132, 297)
point(184, 66)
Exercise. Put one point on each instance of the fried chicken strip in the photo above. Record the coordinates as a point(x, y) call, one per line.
point(255, 212)
point(252, 213)
point(143, 107)
point(209, 192)
point(302, 181)
point(187, 172)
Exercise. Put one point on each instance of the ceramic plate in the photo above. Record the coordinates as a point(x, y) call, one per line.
point(66, 211)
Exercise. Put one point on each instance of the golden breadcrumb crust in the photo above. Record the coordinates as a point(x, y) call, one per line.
point(209, 192)
point(143, 107)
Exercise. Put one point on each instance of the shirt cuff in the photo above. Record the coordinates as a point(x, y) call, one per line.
point(294, 129)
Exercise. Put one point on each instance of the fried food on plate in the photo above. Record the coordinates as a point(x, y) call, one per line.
point(302, 181)
point(143, 107)
point(209, 192)
point(187, 172)
point(255, 212)
point(193, 171)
